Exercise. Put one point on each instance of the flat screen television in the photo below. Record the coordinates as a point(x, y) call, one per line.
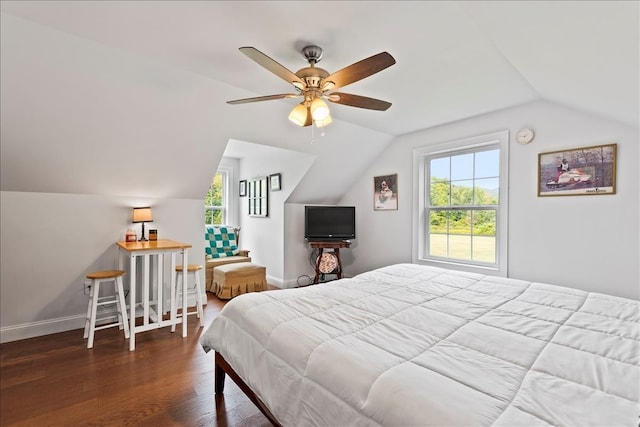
point(329, 223)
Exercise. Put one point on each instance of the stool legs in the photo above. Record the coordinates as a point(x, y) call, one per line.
point(199, 304)
point(93, 308)
point(95, 300)
point(197, 290)
point(122, 308)
point(174, 300)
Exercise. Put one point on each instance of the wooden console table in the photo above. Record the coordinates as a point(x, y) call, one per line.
point(321, 246)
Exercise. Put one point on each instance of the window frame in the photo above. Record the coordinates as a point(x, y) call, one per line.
point(231, 167)
point(420, 253)
point(225, 197)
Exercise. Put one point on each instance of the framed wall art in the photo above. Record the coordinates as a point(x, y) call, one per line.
point(275, 183)
point(385, 192)
point(243, 188)
point(258, 197)
point(578, 171)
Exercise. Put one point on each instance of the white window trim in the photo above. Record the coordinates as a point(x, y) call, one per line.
point(225, 196)
point(230, 167)
point(500, 138)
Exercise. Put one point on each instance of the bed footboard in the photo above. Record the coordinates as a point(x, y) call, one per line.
point(222, 368)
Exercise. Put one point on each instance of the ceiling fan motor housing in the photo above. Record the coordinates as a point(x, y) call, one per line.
point(312, 76)
point(312, 53)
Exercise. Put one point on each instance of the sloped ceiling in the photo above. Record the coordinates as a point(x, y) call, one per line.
point(149, 80)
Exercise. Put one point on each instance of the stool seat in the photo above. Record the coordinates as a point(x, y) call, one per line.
point(190, 268)
point(105, 274)
point(95, 301)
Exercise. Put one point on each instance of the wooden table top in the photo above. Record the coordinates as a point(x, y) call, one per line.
point(331, 244)
point(151, 245)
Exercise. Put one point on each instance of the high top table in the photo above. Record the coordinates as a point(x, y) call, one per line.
point(153, 319)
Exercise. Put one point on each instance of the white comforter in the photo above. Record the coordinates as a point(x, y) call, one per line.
point(413, 345)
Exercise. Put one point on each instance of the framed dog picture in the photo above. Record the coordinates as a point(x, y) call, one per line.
point(385, 192)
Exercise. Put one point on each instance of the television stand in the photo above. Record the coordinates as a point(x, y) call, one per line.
point(336, 245)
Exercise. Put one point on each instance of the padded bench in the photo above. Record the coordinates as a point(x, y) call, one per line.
point(230, 280)
point(243, 256)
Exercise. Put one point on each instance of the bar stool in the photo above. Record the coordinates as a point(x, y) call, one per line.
point(95, 300)
point(192, 269)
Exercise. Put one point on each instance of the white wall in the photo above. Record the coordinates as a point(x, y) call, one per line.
point(299, 271)
point(264, 237)
point(82, 118)
point(74, 112)
point(49, 242)
point(601, 233)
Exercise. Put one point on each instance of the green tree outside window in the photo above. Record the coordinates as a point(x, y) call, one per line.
point(214, 201)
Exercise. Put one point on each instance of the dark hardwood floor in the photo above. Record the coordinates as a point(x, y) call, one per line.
point(168, 380)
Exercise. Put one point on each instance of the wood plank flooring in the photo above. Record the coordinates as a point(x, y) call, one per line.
point(55, 380)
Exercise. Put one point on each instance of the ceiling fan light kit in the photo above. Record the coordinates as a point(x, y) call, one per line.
point(323, 123)
point(319, 109)
point(313, 84)
point(299, 114)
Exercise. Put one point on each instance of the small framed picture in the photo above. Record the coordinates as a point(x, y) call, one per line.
point(274, 182)
point(385, 192)
point(243, 188)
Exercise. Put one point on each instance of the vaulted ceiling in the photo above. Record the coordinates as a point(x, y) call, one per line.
point(455, 59)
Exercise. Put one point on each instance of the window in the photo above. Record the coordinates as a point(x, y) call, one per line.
point(462, 203)
point(221, 200)
point(216, 201)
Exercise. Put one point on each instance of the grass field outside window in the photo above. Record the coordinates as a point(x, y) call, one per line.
point(476, 248)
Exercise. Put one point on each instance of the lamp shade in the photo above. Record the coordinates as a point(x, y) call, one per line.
point(142, 215)
point(319, 109)
point(299, 114)
point(326, 121)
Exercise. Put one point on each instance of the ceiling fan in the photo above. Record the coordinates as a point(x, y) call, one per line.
point(313, 84)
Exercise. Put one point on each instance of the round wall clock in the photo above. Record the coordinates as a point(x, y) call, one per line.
point(524, 136)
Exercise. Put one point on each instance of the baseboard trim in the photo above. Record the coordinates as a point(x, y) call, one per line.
point(275, 281)
point(291, 283)
point(69, 323)
point(43, 327)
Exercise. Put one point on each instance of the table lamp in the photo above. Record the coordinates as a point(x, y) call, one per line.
point(142, 215)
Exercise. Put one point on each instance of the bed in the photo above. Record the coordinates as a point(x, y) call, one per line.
point(412, 345)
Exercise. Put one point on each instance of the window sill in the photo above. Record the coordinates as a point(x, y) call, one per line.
point(463, 266)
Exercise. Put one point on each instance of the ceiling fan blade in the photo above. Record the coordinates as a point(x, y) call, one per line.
point(359, 101)
point(271, 65)
point(361, 69)
point(263, 98)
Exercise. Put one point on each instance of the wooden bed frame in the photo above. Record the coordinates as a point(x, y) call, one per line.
point(223, 368)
